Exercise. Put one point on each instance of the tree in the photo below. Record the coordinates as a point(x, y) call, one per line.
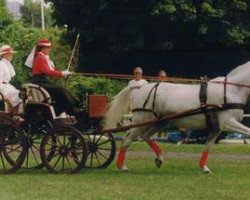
point(31, 14)
point(126, 33)
point(161, 24)
point(5, 17)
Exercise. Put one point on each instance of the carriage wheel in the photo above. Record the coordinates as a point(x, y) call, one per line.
point(12, 145)
point(69, 150)
point(34, 134)
point(101, 150)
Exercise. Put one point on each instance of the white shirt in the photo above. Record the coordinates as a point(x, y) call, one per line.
point(137, 83)
point(134, 86)
point(7, 71)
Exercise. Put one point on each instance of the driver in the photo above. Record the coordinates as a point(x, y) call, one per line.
point(43, 70)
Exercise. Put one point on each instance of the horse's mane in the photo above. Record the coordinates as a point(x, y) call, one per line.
point(119, 106)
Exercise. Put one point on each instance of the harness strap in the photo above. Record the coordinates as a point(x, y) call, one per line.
point(156, 87)
point(144, 110)
point(149, 94)
point(225, 90)
point(215, 108)
point(239, 106)
point(203, 101)
point(203, 91)
point(147, 100)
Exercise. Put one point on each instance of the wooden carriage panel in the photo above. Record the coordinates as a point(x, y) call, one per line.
point(36, 95)
point(97, 105)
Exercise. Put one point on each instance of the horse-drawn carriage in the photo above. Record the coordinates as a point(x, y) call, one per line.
point(67, 146)
point(61, 144)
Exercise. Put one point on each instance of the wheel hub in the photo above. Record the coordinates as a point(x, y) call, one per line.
point(63, 151)
point(92, 147)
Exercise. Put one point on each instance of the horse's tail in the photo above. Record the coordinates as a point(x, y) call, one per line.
point(118, 107)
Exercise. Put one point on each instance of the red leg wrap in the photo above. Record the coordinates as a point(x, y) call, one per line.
point(203, 159)
point(156, 148)
point(121, 157)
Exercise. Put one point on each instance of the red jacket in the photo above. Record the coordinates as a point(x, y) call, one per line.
point(41, 66)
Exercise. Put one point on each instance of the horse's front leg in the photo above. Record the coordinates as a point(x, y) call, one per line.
point(131, 136)
point(213, 135)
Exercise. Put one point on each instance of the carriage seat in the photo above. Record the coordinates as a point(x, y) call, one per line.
point(39, 102)
point(36, 93)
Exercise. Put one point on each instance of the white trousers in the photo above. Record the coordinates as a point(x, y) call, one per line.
point(11, 93)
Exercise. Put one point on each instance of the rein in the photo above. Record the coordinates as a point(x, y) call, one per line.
point(231, 83)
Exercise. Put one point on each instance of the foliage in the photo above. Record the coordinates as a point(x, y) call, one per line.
point(31, 14)
point(81, 86)
point(5, 17)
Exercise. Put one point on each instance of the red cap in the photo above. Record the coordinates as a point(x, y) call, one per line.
point(44, 43)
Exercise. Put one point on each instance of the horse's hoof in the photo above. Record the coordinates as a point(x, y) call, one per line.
point(158, 162)
point(206, 170)
point(123, 168)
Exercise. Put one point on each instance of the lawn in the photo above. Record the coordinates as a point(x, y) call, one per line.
point(179, 178)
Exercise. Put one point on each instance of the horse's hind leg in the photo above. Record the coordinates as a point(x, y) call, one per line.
point(210, 141)
point(158, 151)
point(154, 146)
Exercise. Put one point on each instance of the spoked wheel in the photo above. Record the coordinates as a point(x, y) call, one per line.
point(34, 134)
point(101, 150)
point(12, 145)
point(69, 150)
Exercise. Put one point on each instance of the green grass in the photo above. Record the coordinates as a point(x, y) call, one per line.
point(179, 178)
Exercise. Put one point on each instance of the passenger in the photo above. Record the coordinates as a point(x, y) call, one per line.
point(43, 70)
point(7, 72)
point(162, 76)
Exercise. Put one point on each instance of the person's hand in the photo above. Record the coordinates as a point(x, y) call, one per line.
point(66, 73)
